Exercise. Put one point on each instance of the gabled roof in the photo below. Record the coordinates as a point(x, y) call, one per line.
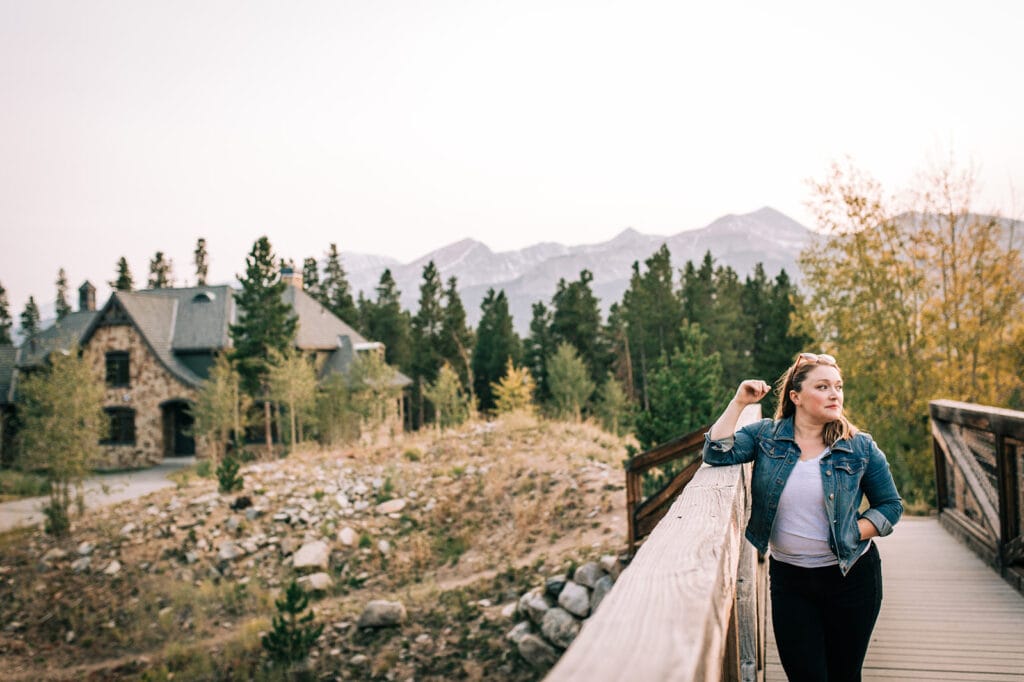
point(61, 335)
point(319, 328)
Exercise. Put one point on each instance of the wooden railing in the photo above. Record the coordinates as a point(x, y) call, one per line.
point(691, 604)
point(979, 466)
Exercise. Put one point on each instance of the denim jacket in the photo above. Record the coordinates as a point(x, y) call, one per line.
point(851, 469)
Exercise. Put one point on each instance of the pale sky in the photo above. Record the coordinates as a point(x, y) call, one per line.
point(396, 128)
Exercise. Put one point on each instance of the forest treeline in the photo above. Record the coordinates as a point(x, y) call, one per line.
point(919, 297)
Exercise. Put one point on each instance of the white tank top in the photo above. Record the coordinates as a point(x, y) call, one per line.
point(801, 529)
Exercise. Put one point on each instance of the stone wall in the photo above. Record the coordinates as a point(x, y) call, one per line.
point(150, 385)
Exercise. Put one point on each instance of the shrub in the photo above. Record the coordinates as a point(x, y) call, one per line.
point(292, 635)
point(227, 474)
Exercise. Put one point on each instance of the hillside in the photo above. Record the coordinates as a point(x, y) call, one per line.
point(455, 527)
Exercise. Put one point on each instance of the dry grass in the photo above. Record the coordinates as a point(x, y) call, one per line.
point(492, 508)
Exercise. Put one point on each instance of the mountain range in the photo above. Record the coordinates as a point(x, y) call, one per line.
point(531, 274)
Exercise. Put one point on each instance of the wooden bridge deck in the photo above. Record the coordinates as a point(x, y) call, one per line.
point(945, 614)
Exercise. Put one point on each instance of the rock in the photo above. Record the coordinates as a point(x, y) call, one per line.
point(588, 574)
point(347, 536)
point(509, 610)
point(55, 554)
point(391, 506)
point(233, 523)
point(575, 599)
point(127, 529)
point(360, 489)
point(282, 517)
point(70, 636)
point(314, 554)
point(241, 502)
point(81, 565)
point(536, 651)
point(289, 545)
point(342, 500)
point(533, 605)
point(611, 565)
point(316, 582)
point(253, 513)
point(229, 551)
point(384, 546)
point(358, 659)
point(361, 505)
point(423, 639)
point(521, 629)
point(560, 627)
point(601, 590)
point(382, 614)
point(86, 548)
point(553, 585)
point(113, 568)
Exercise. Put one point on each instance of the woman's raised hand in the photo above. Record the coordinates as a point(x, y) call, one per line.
point(751, 391)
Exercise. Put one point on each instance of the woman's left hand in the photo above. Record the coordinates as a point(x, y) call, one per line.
point(867, 529)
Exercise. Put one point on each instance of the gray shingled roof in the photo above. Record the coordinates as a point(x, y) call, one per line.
point(59, 336)
point(8, 354)
point(319, 328)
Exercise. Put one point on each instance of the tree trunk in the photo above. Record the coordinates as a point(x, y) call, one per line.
point(266, 427)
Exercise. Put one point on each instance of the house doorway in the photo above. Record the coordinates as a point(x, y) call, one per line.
point(178, 438)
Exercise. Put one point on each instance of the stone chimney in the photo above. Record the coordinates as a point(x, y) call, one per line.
point(291, 276)
point(86, 297)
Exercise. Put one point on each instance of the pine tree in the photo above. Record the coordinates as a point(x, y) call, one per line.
point(496, 345)
point(160, 272)
point(685, 390)
point(201, 259)
point(576, 320)
point(292, 635)
point(5, 318)
point(426, 337)
point(311, 280)
point(538, 347)
point(335, 291)
point(30, 319)
point(266, 324)
point(62, 307)
point(570, 383)
point(386, 322)
point(456, 342)
point(648, 321)
point(123, 281)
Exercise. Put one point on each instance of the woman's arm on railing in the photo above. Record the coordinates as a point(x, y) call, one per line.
point(750, 391)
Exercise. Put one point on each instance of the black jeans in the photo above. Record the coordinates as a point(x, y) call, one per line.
point(823, 620)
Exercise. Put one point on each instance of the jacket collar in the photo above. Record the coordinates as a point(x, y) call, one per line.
point(784, 431)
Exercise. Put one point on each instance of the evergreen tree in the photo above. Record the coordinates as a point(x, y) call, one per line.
point(5, 318)
point(612, 406)
point(266, 324)
point(311, 280)
point(124, 280)
point(496, 346)
point(292, 635)
point(697, 291)
point(201, 259)
point(538, 347)
point(160, 272)
point(386, 322)
point(335, 291)
point(62, 307)
point(30, 319)
point(651, 316)
point(426, 338)
point(456, 342)
point(684, 392)
point(576, 320)
point(570, 383)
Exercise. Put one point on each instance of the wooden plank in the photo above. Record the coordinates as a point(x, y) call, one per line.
point(667, 615)
point(958, 452)
point(691, 442)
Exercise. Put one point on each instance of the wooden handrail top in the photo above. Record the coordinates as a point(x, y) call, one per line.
point(667, 451)
point(667, 616)
point(998, 420)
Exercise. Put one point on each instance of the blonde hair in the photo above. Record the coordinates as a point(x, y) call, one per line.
point(793, 380)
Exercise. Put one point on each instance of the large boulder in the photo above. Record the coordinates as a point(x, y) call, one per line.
point(575, 599)
point(536, 651)
point(533, 605)
point(601, 589)
point(588, 574)
point(312, 555)
point(382, 614)
point(559, 627)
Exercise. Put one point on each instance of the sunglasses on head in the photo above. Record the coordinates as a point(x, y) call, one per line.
point(816, 358)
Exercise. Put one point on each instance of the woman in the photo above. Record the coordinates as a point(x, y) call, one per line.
point(812, 468)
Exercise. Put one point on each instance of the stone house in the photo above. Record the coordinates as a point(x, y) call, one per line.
point(152, 349)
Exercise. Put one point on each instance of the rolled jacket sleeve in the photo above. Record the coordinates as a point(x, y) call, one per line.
point(880, 489)
point(735, 449)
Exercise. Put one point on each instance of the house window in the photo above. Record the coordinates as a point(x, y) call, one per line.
point(122, 426)
point(117, 368)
